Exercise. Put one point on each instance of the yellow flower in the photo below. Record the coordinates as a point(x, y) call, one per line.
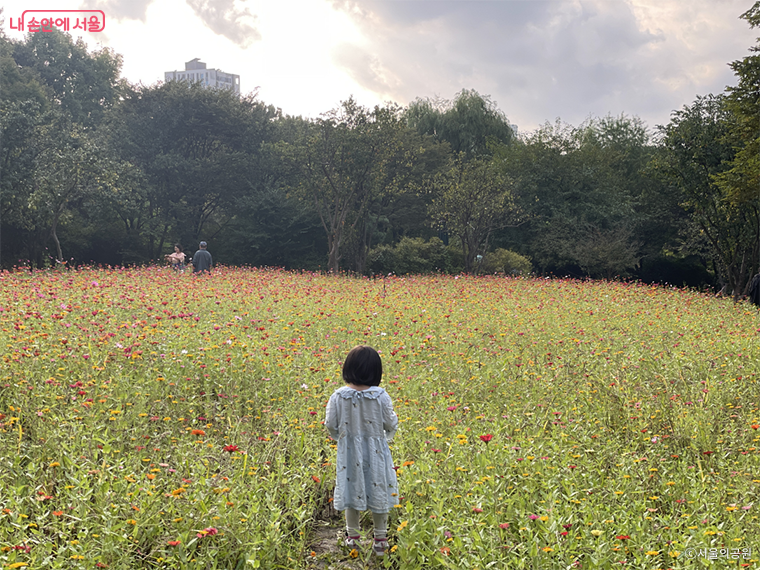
point(652, 552)
point(17, 565)
point(55, 464)
point(597, 532)
point(354, 553)
point(674, 553)
point(402, 526)
point(547, 549)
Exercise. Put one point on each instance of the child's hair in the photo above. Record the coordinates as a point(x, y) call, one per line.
point(363, 367)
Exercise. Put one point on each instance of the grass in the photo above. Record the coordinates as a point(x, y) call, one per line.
point(155, 420)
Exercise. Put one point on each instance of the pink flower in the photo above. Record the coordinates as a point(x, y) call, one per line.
point(210, 531)
point(477, 510)
point(451, 408)
point(533, 517)
point(504, 525)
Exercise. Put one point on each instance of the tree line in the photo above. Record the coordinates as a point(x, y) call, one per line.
point(96, 170)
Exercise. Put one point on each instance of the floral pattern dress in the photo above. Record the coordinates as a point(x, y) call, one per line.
point(363, 422)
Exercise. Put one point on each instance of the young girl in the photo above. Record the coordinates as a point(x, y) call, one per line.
point(361, 417)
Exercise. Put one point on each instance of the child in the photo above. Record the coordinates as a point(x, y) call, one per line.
point(361, 417)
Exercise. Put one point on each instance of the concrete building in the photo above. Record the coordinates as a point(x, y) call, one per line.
point(196, 71)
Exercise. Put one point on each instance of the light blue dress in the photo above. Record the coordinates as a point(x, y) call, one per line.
point(363, 422)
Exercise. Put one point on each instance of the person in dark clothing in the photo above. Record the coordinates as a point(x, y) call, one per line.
point(754, 290)
point(202, 261)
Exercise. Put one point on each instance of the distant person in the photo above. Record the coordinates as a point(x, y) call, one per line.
point(754, 290)
point(202, 260)
point(177, 258)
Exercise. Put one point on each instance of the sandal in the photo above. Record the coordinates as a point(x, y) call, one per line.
point(381, 546)
point(351, 541)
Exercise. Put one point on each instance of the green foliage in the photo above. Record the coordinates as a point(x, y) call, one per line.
point(585, 197)
point(507, 262)
point(409, 256)
point(197, 152)
point(470, 124)
point(741, 181)
point(470, 200)
point(82, 84)
point(698, 145)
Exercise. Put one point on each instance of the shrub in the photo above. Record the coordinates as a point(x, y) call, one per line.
point(410, 255)
point(506, 261)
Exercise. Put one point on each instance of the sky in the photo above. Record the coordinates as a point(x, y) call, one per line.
point(537, 60)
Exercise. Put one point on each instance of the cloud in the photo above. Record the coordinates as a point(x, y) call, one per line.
point(540, 60)
point(228, 18)
point(122, 9)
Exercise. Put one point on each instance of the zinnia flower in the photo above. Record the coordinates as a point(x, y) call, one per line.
point(210, 531)
point(486, 438)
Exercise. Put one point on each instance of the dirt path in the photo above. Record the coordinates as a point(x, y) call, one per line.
point(327, 552)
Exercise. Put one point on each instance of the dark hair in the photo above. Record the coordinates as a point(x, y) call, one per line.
point(363, 367)
point(178, 246)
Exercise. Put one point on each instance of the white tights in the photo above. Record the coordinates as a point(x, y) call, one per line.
point(379, 520)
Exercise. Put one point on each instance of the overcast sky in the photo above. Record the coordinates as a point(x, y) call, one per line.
point(539, 60)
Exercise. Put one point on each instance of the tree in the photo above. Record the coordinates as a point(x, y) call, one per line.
point(470, 200)
point(344, 158)
point(741, 181)
point(196, 152)
point(580, 190)
point(699, 144)
point(82, 84)
point(469, 123)
point(72, 167)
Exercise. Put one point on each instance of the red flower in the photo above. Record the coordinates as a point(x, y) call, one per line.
point(210, 531)
point(486, 438)
point(707, 452)
point(174, 542)
point(316, 479)
point(755, 426)
point(477, 510)
point(231, 448)
point(198, 432)
point(622, 537)
point(504, 525)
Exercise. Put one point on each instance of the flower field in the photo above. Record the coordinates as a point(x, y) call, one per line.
point(156, 420)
